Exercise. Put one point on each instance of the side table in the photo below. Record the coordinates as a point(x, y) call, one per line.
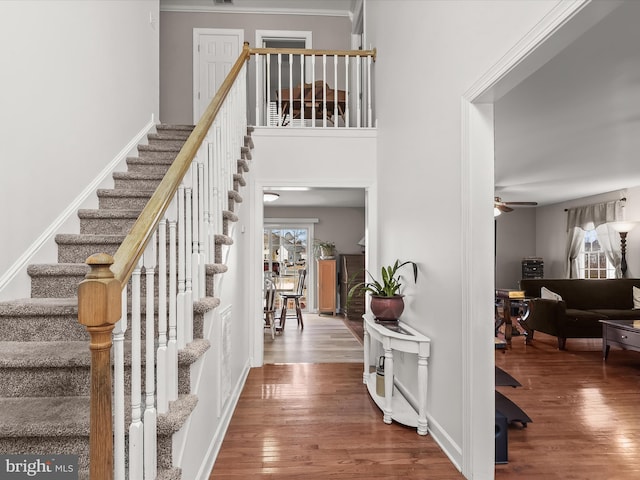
point(396, 404)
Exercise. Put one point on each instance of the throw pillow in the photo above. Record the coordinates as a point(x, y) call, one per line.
point(636, 297)
point(549, 295)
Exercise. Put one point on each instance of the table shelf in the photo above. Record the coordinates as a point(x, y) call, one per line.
point(394, 404)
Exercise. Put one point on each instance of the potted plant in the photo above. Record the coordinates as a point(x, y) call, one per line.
point(387, 303)
point(323, 249)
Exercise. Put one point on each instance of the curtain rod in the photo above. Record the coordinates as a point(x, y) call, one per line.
point(623, 199)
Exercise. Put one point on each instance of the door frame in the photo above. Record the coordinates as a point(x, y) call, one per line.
point(309, 225)
point(261, 36)
point(239, 33)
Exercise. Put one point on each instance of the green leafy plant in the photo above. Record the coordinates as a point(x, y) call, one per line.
point(389, 283)
point(323, 248)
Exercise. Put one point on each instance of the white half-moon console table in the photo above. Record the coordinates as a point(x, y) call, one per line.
point(397, 337)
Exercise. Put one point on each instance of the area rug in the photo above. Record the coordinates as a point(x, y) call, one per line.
point(356, 328)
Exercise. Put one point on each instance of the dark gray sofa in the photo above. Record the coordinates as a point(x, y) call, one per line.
point(584, 303)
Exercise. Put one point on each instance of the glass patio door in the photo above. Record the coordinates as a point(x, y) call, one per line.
point(285, 253)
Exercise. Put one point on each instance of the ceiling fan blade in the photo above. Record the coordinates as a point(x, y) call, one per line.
point(503, 208)
point(520, 203)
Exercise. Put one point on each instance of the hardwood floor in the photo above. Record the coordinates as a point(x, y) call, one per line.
point(586, 420)
point(316, 421)
point(324, 339)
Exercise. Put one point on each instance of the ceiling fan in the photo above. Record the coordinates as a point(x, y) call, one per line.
point(499, 206)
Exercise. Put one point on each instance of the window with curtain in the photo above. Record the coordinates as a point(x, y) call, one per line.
point(593, 259)
point(592, 218)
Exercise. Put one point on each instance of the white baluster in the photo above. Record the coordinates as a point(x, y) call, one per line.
point(181, 269)
point(172, 347)
point(163, 397)
point(213, 195)
point(291, 90)
point(369, 106)
point(136, 428)
point(118, 392)
point(324, 91)
point(150, 435)
point(258, 83)
point(358, 92)
point(313, 90)
point(195, 229)
point(302, 122)
point(346, 90)
point(206, 206)
point(188, 292)
point(200, 292)
point(268, 80)
point(335, 91)
point(279, 95)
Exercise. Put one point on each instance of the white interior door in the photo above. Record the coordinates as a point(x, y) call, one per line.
point(214, 53)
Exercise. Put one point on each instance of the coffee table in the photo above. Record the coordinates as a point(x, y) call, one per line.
point(623, 333)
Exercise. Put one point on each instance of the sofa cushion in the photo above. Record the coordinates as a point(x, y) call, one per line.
point(588, 315)
point(636, 297)
point(617, 314)
point(549, 295)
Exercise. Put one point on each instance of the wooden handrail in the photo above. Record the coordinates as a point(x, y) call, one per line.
point(310, 52)
point(133, 246)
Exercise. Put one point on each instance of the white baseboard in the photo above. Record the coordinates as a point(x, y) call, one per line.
point(21, 287)
point(225, 419)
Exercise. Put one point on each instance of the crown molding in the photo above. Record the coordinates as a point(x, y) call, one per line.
point(255, 11)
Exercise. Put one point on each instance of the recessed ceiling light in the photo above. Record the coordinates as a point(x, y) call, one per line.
point(270, 196)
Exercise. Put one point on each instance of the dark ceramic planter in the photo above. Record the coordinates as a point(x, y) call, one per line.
point(387, 308)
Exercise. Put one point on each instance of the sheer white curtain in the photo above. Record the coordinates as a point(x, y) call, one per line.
point(591, 217)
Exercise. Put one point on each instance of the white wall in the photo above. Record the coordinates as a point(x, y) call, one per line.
point(176, 48)
point(435, 51)
point(79, 80)
point(515, 239)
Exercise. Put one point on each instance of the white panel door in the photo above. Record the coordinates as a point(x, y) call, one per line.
point(215, 52)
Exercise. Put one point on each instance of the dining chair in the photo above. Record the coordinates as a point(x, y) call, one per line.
point(269, 306)
point(295, 295)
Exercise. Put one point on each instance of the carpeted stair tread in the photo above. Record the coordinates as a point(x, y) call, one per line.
point(158, 148)
point(121, 193)
point(239, 178)
point(44, 416)
point(228, 215)
point(223, 239)
point(137, 176)
point(179, 411)
point(149, 161)
point(169, 474)
point(235, 196)
point(58, 269)
point(45, 354)
point(101, 213)
point(162, 127)
point(39, 306)
point(87, 238)
point(215, 268)
point(243, 166)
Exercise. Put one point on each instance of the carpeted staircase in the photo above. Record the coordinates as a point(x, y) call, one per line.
point(44, 351)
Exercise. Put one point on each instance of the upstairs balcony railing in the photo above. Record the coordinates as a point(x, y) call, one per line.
point(312, 88)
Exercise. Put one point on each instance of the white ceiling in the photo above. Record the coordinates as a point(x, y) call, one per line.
point(319, 197)
point(572, 129)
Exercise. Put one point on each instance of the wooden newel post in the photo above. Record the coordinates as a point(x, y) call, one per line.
point(99, 309)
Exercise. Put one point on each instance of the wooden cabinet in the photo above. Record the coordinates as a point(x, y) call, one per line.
point(351, 272)
point(327, 279)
